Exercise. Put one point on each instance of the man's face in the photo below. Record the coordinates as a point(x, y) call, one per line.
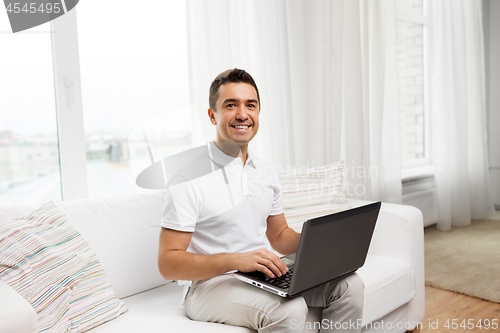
point(237, 114)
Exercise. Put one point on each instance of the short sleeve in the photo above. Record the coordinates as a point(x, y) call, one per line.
point(277, 207)
point(180, 208)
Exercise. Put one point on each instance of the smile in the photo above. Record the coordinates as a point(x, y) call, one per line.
point(241, 126)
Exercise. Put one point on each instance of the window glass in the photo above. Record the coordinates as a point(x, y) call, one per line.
point(411, 89)
point(134, 73)
point(29, 154)
point(411, 6)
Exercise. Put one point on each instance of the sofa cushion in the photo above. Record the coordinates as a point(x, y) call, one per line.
point(47, 261)
point(158, 311)
point(124, 232)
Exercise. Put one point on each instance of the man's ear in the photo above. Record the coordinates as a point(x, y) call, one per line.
point(211, 115)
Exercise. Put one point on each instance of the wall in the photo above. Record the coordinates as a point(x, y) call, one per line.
point(491, 22)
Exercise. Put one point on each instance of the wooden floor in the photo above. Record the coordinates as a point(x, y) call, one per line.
point(442, 306)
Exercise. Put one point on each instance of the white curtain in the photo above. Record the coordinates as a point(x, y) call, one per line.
point(326, 73)
point(380, 97)
point(459, 114)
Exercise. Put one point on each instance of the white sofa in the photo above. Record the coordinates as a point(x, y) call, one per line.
point(123, 231)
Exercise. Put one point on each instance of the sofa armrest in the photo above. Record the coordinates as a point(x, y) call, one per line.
point(16, 314)
point(399, 234)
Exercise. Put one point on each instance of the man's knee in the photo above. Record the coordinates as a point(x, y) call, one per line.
point(289, 312)
point(355, 282)
point(350, 287)
point(356, 288)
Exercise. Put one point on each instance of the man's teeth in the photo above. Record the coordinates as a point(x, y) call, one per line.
point(241, 126)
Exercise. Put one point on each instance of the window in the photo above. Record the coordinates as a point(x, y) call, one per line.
point(411, 29)
point(134, 76)
point(29, 152)
point(134, 73)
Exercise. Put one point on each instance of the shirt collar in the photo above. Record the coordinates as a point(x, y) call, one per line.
point(222, 159)
point(250, 159)
point(217, 155)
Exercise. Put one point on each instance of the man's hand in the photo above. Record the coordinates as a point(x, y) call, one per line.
point(261, 260)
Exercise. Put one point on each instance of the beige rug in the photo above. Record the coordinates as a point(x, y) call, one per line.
point(465, 259)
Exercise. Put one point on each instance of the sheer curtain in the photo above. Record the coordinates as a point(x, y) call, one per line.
point(459, 114)
point(380, 97)
point(326, 72)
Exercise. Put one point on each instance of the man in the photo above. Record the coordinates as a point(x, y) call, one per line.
point(223, 221)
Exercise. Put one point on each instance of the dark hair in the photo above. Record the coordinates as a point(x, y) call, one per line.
point(230, 76)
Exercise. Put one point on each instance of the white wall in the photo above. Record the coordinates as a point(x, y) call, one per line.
point(491, 21)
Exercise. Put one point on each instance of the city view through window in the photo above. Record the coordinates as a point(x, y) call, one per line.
point(29, 154)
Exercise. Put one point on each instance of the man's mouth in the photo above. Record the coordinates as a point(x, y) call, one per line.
point(240, 126)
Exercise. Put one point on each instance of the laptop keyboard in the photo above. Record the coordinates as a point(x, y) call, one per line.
point(282, 281)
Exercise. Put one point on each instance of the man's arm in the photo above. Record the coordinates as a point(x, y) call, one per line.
point(282, 238)
point(175, 263)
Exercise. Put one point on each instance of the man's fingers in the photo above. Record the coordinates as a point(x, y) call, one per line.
point(268, 263)
point(266, 271)
point(277, 261)
point(281, 266)
point(270, 267)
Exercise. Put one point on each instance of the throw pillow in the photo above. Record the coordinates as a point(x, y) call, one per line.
point(312, 192)
point(46, 260)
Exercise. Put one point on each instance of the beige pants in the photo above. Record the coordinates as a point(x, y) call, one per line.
point(225, 299)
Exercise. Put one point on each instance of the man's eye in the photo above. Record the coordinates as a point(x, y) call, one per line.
point(231, 105)
point(251, 105)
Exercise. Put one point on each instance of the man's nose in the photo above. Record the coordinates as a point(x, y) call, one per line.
point(241, 113)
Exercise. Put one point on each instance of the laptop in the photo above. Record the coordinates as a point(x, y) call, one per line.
point(329, 247)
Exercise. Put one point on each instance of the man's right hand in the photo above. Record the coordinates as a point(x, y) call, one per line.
point(261, 260)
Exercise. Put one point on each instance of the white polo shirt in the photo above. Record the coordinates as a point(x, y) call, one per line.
point(225, 208)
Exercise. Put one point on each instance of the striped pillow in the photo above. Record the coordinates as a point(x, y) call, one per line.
point(312, 192)
point(46, 260)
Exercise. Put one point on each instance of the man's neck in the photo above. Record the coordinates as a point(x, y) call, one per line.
point(243, 151)
point(244, 154)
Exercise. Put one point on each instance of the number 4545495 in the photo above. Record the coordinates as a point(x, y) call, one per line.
point(33, 8)
point(471, 324)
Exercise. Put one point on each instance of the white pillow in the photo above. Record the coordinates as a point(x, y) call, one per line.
point(46, 260)
point(312, 192)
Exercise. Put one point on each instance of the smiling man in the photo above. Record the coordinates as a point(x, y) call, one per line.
point(224, 221)
point(237, 120)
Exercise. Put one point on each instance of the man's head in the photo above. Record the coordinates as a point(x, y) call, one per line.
point(234, 107)
point(230, 76)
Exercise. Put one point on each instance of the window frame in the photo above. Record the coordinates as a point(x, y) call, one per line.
point(69, 110)
point(421, 167)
